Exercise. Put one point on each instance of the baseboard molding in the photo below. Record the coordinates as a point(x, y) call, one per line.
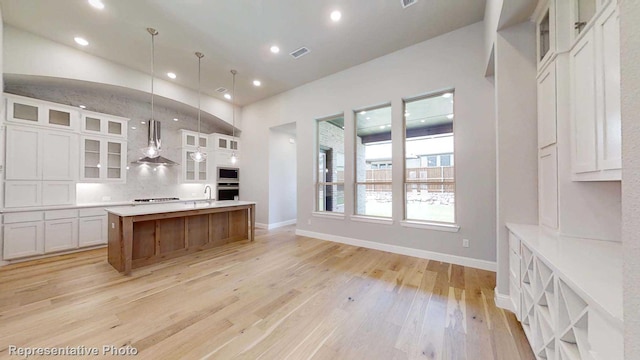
point(276, 225)
point(423, 254)
point(503, 301)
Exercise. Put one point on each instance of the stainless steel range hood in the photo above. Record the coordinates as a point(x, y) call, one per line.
point(156, 140)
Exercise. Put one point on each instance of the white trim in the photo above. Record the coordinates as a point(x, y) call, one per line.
point(430, 226)
point(328, 215)
point(262, 226)
point(282, 223)
point(503, 301)
point(372, 219)
point(419, 253)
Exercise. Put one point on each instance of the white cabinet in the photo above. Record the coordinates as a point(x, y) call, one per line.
point(61, 234)
point(548, 187)
point(547, 106)
point(595, 101)
point(103, 159)
point(23, 239)
point(41, 167)
point(23, 153)
point(545, 32)
point(30, 111)
point(92, 231)
point(192, 171)
point(223, 142)
point(102, 124)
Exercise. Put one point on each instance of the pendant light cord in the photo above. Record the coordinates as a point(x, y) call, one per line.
point(233, 101)
point(153, 33)
point(200, 56)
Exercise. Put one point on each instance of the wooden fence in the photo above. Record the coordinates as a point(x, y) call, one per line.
point(432, 179)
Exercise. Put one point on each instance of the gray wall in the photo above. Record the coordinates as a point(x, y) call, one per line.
point(142, 182)
point(282, 177)
point(454, 60)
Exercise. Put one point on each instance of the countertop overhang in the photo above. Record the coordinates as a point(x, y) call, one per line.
point(159, 208)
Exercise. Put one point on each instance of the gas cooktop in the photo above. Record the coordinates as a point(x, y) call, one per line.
point(155, 200)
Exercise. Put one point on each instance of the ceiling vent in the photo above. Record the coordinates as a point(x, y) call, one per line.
point(407, 3)
point(221, 90)
point(300, 52)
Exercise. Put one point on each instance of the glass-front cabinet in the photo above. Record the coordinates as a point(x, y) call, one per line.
point(103, 160)
point(101, 124)
point(545, 33)
point(193, 171)
point(30, 111)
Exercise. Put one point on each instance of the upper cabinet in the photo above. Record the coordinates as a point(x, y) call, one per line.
point(23, 110)
point(103, 159)
point(223, 142)
point(545, 32)
point(595, 98)
point(101, 124)
point(582, 12)
point(193, 171)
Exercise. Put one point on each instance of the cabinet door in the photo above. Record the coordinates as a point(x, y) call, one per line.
point(23, 239)
point(222, 143)
point(189, 169)
point(24, 161)
point(61, 117)
point(583, 102)
point(58, 192)
point(60, 235)
point(91, 153)
point(22, 193)
point(92, 231)
point(116, 158)
point(24, 111)
point(548, 187)
point(547, 107)
point(59, 156)
point(609, 124)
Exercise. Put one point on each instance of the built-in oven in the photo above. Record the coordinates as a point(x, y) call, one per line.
point(228, 175)
point(228, 191)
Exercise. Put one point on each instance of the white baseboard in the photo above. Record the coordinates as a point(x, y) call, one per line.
point(503, 301)
point(276, 225)
point(423, 254)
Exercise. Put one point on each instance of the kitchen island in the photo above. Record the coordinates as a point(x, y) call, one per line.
point(146, 234)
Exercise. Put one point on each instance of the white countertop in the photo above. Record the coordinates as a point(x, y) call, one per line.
point(91, 205)
point(592, 268)
point(159, 208)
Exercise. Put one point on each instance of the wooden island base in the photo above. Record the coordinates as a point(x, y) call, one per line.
point(140, 240)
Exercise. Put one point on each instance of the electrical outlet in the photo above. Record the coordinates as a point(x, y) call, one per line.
point(113, 225)
point(465, 243)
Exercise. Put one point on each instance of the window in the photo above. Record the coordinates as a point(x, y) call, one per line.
point(373, 162)
point(429, 164)
point(330, 176)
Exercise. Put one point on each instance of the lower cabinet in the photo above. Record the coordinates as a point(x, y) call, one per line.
point(23, 239)
point(60, 235)
point(39, 193)
point(35, 233)
point(559, 319)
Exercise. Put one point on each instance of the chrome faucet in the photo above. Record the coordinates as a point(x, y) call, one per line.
point(205, 191)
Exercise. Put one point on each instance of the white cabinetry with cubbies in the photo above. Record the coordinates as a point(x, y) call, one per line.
point(569, 297)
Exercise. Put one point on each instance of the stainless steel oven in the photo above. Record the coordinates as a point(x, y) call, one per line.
point(228, 191)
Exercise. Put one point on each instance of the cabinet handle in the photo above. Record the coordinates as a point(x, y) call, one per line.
point(580, 25)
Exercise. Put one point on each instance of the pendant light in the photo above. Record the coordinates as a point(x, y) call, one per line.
point(152, 151)
point(234, 156)
point(198, 156)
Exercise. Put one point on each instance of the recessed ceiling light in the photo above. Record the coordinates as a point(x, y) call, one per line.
point(389, 125)
point(171, 75)
point(227, 96)
point(142, 122)
point(336, 15)
point(407, 114)
point(362, 112)
point(381, 126)
point(133, 128)
point(256, 83)
point(175, 119)
point(275, 49)
point(447, 95)
point(368, 118)
point(450, 116)
point(81, 41)
point(82, 106)
point(422, 120)
point(96, 4)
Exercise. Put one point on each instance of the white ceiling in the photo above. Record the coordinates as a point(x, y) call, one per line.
point(238, 34)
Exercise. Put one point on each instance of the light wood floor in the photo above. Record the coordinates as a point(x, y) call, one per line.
point(280, 297)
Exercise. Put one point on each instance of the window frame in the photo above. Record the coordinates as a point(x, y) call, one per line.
point(406, 183)
point(316, 162)
point(356, 183)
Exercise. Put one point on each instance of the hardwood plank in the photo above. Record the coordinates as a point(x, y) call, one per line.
point(281, 296)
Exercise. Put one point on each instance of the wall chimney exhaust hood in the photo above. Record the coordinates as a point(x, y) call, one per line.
point(156, 141)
